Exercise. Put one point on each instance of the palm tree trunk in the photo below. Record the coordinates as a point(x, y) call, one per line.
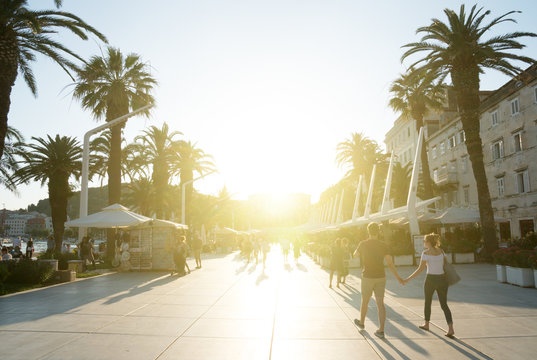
point(186, 176)
point(8, 74)
point(466, 85)
point(427, 182)
point(58, 192)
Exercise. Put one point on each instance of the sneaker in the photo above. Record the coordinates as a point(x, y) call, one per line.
point(379, 334)
point(359, 324)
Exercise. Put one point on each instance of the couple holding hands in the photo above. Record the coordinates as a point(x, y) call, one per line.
point(373, 252)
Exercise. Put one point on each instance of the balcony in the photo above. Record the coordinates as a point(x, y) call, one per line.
point(446, 177)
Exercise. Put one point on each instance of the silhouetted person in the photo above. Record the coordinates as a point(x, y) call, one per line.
point(373, 252)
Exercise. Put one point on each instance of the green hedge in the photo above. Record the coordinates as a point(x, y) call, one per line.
point(24, 272)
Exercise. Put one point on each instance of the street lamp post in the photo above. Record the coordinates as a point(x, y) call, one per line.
point(183, 200)
point(85, 162)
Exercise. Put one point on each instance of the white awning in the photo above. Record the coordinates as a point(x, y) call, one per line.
point(113, 216)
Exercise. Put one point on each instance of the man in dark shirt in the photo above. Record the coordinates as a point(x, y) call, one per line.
point(373, 252)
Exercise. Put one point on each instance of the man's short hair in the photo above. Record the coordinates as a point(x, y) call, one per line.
point(373, 229)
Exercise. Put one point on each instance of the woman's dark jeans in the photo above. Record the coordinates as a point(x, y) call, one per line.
point(439, 284)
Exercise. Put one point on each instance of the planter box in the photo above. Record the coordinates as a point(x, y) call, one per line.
point(402, 260)
point(464, 258)
point(501, 274)
point(65, 275)
point(520, 276)
point(50, 262)
point(325, 262)
point(354, 263)
point(75, 265)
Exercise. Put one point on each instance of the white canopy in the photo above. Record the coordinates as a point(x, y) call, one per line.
point(113, 216)
point(456, 215)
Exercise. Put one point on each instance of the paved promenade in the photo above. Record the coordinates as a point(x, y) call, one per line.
point(230, 310)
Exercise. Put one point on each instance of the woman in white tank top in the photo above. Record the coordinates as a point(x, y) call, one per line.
point(433, 259)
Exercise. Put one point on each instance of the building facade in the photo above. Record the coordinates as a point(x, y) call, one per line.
point(508, 129)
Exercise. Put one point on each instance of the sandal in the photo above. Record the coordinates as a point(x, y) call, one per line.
point(423, 327)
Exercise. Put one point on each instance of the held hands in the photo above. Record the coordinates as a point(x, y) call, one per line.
point(403, 281)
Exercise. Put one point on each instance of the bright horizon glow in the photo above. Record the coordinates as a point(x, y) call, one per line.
point(269, 89)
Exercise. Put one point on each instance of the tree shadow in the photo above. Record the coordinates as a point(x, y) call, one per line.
point(262, 277)
point(301, 267)
point(64, 298)
point(241, 269)
point(288, 267)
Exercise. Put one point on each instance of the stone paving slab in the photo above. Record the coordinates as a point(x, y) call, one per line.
point(233, 310)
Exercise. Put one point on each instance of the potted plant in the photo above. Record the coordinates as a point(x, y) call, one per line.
point(463, 244)
point(402, 251)
point(499, 257)
point(49, 258)
point(533, 264)
point(518, 270)
point(324, 254)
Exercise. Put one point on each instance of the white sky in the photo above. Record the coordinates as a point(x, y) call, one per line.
point(269, 88)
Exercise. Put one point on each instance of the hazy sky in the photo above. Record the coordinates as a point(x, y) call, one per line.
point(269, 88)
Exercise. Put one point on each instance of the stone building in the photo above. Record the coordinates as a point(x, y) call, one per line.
point(508, 127)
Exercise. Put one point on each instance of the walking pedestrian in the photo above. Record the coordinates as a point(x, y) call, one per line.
point(285, 244)
point(29, 249)
point(256, 249)
point(336, 262)
point(296, 250)
point(196, 249)
point(265, 248)
point(373, 252)
point(247, 249)
point(433, 258)
point(86, 252)
point(50, 243)
point(346, 256)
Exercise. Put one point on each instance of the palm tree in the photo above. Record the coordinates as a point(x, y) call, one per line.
point(110, 86)
point(360, 154)
point(53, 161)
point(413, 95)
point(140, 196)
point(158, 148)
point(8, 163)
point(132, 165)
point(400, 183)
point(459, 49)
point(25, 33)
point(190, 160)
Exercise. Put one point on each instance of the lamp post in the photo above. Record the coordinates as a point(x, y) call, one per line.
point(85, 162)
point(183, 200)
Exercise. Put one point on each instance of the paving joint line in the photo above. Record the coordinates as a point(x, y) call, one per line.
point(347, 315)
point(83, 334)
point(275, 312)
point(434, 324)
point(199, 317)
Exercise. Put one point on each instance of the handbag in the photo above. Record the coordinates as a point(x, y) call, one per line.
point(451, 275)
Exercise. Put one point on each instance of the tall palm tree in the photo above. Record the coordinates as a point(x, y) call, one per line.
point(132, 165)
point(158, 148)
point(400, 183)
point(458, 48)
point(53, 161)
point(140, 196)
point(25, 33)
point(8, 163)
point(413, 95)
point(189, 160)
point(110, 86)
point(359, 153)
